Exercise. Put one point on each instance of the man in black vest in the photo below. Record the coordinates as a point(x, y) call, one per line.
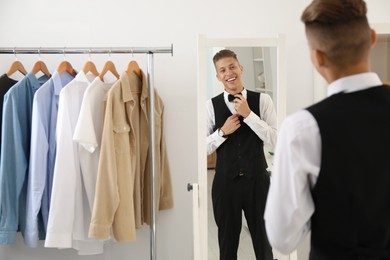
point(332, 160)
point(239, 122)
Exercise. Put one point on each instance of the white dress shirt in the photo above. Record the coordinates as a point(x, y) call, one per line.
point(264, 126)
point(88, 133)
point(70, 214)
point(297, 164)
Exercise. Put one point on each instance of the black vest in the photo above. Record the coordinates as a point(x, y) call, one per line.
point(242, 152)
point(352, 193)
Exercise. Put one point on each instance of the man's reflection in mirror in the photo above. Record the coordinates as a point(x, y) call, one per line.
point(239, 123)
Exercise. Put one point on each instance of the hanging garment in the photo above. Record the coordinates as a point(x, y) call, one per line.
point(5, 84)
point(88, 133)
point(69, 215)
point(122, 189)
point(15, 148)
point(42, 155)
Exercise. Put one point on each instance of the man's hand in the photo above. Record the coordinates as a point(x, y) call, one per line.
point(231, 124)
point(241, 106)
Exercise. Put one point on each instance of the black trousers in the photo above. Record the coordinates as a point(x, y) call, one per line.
point(230, 198)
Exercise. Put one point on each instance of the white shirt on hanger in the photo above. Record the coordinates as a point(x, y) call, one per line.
point(70, 214)
point(88, 133)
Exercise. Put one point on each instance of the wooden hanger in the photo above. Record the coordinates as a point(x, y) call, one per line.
point(133, 67)
point(89, 66)
point(108, 66)
point(66, 66)
point(40, 66)
point(16, 66)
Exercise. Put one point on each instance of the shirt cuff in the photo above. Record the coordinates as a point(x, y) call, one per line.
point(97, 231)
point(7, 237)
point(250, 118)
point(218, 138)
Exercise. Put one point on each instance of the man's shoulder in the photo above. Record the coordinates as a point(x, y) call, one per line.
point(252, 93)
point(216, 98)
point(299, 120)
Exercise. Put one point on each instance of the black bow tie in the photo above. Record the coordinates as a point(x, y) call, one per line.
point(232, 97)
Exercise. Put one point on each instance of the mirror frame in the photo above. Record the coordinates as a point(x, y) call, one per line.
point(204, 42)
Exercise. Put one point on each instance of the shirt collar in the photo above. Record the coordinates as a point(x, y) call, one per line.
point(55, 77)
point(226, 94)
point(82, 77)
point(133, 82)
point(354, 83)
point(36, 83)
point(97, 82)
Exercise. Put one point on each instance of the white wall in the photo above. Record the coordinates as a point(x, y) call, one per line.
point(160, 23)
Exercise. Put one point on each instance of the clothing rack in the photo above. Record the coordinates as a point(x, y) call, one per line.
point(84, 50)
point(150, 77)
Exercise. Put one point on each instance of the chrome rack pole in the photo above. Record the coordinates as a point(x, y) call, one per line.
point(153, 255)
point(84, 50)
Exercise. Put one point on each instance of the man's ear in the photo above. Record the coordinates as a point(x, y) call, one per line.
point(373, 38)
point(318, 58)
point(216, 75)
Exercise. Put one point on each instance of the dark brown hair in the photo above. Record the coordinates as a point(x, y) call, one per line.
point(338, 28)
point(224, 54)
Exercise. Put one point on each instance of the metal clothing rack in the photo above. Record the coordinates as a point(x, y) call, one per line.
point(84, 50)
point(150, 77)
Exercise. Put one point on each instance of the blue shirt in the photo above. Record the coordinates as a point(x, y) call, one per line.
point(42, 156)
point(15, 153)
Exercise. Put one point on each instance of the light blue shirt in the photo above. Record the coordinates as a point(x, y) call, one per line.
point(42, 156)
point(15, 153)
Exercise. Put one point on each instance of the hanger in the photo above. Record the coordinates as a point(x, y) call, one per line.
point(109, 66)
point(16, 66)
point(40, 66)
point(133, 67)
point(89, 66)
point(66, 66)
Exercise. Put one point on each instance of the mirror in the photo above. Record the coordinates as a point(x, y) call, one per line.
point(380, 57)
point(263, 63)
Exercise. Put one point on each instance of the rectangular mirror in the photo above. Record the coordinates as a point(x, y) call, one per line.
point(263, 63)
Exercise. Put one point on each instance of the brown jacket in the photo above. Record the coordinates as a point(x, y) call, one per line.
point(123, 188)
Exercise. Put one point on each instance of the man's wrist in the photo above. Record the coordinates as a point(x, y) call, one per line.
point(221, 133)
point(248, 114)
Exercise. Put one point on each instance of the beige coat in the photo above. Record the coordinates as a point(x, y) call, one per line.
point(123, 188)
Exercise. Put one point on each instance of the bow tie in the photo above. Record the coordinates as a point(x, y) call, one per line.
point(232, 97)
